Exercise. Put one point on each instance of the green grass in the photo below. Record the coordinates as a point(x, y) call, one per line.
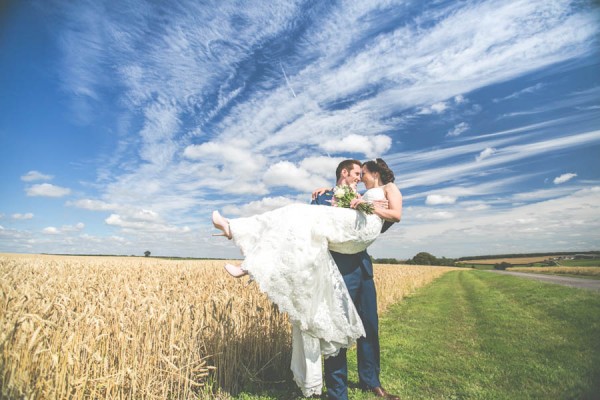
point(476, 335)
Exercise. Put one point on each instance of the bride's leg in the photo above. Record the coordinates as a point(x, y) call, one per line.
point(235, 271)
point(222, 224)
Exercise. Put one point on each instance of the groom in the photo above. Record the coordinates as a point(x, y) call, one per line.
point(357, 271)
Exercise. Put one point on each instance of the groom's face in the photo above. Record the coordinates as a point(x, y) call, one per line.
point(351, 177)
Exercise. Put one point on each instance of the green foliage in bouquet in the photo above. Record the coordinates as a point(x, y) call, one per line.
point(344, 194)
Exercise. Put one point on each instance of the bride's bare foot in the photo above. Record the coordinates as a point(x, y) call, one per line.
point(221, 223)
point(235, 271)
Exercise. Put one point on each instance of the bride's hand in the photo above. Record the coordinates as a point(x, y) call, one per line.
point(318, 192)
point(355, 202)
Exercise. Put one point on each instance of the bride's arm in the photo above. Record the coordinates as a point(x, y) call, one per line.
point(394, 211)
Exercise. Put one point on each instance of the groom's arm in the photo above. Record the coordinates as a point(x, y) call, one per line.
point(323, 199)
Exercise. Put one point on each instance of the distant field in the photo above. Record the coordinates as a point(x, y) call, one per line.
point(572, 271)
point(516, 260)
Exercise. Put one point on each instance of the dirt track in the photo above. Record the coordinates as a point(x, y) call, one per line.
point(591, 284)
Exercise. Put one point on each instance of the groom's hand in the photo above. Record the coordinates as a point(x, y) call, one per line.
point(381, 204)
point(317, 192)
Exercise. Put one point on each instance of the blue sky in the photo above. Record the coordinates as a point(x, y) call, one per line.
point(124, 125)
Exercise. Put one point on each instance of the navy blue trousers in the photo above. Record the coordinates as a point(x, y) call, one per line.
point(362, 290)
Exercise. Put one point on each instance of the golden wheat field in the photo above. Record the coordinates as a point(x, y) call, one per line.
point(126, 327)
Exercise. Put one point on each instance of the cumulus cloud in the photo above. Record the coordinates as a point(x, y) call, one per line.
point(47, 190)
point(436, 108)
point(459, 99)
point(51, 230)
point(285, 173)
point(370, 146)
point(258, 207)
point(93, 205)
point(434, 215)
point(436, 199)
point(22, 216)
point(35, 176)
point(564, 178)
point(486, 153)
point(143, 223)
point(458, 129)
point(324, 166)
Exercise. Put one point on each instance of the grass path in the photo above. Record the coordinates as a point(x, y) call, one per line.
point(474, 335)
point(477, 335)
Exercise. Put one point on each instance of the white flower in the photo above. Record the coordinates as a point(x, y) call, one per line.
point(339, 192)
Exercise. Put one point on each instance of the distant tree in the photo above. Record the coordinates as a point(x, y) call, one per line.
point(424, 258)
point(503, 265)
point(147, 253)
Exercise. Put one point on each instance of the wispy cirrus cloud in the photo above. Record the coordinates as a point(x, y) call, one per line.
point(517, 94)
point(501, 156)
point(263, 99)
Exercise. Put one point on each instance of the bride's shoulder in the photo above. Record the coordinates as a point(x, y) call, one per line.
point(390, 187)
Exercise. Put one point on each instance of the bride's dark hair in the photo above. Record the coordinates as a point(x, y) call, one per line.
point(378, 165)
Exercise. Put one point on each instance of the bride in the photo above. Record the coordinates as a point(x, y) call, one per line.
point(287, 253)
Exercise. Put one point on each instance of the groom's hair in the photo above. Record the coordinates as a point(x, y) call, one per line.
point(345, 165)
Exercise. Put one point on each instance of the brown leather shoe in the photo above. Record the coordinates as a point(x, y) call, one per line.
point(380, 392)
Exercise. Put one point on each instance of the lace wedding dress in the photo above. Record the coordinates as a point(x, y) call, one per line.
point(286, 253)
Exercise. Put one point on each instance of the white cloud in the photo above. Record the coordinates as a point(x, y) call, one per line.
point(436, 108)
point(476, 206)
point(570, 222)
point(47, 190)
point(72, 228)
point(35, 176)
point(543, 194)
point(529, 89)
point(487, 152)
point(507, 155)
point(433, 215)
point(460, 99)
point(436, 199)
point(50, 230)
point(370, 146)
point(324, 166)
point(564, 178)
point(140, 225)
point(22, 216)
point(93, 205)
point(258, 207)
point(458, 129)
point(285, 173)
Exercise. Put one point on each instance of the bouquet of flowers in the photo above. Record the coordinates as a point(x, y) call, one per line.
point(344, 194)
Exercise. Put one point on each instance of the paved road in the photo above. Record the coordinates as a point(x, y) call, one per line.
point(592, 284)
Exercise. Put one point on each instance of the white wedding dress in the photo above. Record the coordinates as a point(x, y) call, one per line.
point(286, 253)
